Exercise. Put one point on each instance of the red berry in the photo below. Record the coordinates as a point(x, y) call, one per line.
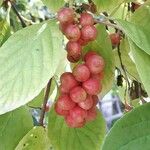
point(73, 59)
point(87, 104)
point(62, 89)
point(64, 102)
point(95, 63)
point(92, 87)
point(62, 28)
point(89, 54)
point(81, 72)
point(74, 49)
point(86, 19)
point(60, 111)
point(68, 81)
point(91, 114)
point(82, 42)
point(95, 100)
point(115, 39)
point(88, 33)
point(98, 76)
point(72, 122)
point(65, 15)
point(78, 94)
point(78, 114)
point(72, 32)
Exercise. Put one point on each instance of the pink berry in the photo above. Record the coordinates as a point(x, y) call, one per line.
point(65, 15)
point(86, 19)
point(73, 59)
point(72, 123)
point(74, 49)
point(78, 114)
point(60, 111)
point(64, 102)
point(72, 32)
point(87, 104)
point(89, 54)
point(81, 72)
point(68, 81)
point(91, 114)
point(115, 39)
point(78, 94)
point(82, 42)
point(99, 77)
point(92, 87)
point(88, 33)
point(95, 63)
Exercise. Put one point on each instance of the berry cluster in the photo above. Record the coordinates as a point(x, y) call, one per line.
point(79, 31)
point(78, 90)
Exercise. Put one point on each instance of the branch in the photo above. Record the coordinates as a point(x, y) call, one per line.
point(122, 66)
point(41, 120)
point(18, 15)
point(108, 24)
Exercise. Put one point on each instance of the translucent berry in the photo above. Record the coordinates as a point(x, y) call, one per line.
point(115, 39)
point(88, 33)
point(73, 59)
point(60, 111)
point(88, 54)
point(91, 114)
point(68, 81)
point(72, 123)
point(78, 114)
point(95, 64)
point(87, 104)
point(92, 87)
point(72, 32)
point(99, 77)
point(86, 19)
point(82, 42)
point(65, 15)
point(81, 72)
point(78, 94)
point(74, 50)
point(64, 102)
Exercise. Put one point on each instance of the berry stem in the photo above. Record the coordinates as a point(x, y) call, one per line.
point(41, 120)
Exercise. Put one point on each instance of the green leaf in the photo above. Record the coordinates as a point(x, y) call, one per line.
point(138, 34)
point(126, 60)
point(1, 1)
point(131, 132)
point(4, 31)
point(63, 63)
point(142, 61)
point(13, 126)
point(107, 5)
point(140, 13)
point(4, 25)
point(35, 139)
point(28, 59)
point(54, 5)
point(103, 46)
point(37, 101)
point(62, 137)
